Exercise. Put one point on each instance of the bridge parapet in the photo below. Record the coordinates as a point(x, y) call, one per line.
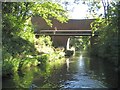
point(72, 24)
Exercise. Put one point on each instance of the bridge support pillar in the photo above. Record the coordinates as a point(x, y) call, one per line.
point(60, 41)
point(68, 44)
point(93, 40)
point(63, 41)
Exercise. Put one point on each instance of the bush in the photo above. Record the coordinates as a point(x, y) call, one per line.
point(43, 58)
point(10, 66)
point(28, 62)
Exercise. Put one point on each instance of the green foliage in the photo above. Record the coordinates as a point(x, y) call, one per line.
point(52, 56)
point(17, 15)
point(10, 66)
point(26, 78)
point(17, 32)
point(107, 41)
point(80, 43)
point(49, 10)
point(44, 45)
point(44, 40)
point(76, 42)
point(28, 62)
point(17, 47)
point(43, 58)
point(93, 8)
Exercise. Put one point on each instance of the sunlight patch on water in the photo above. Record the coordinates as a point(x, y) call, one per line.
point(67, 63)
point(81, 64)
point(81, 61)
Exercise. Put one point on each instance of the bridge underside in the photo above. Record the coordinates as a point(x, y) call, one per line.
point(65, 32)
point(60, 37)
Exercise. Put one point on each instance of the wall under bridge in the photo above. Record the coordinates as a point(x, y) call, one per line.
point(60, 41)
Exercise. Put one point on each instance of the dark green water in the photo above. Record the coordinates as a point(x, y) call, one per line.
point(79, 71)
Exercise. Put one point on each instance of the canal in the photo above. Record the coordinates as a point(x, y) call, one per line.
point(79, 71)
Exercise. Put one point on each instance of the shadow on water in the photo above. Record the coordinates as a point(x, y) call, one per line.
point(79, 71)
point(104, 71)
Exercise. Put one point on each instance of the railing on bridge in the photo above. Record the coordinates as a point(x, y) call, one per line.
point(65, 32)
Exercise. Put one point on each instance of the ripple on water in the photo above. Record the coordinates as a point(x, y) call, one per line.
point(83, 82)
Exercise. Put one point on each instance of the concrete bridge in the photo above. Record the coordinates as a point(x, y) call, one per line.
point(61, 32)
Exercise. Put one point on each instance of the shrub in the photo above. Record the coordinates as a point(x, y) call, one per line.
point(10, 66)
point(43, 58)
point(28, 62)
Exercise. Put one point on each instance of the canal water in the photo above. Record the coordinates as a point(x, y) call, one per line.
point(79, 71)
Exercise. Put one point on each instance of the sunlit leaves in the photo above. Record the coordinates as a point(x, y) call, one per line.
point(19, 12)
point(98, 23)
point(49, 11)
point(18, 36)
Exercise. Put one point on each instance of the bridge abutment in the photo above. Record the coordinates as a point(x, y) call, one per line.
point(60, 41)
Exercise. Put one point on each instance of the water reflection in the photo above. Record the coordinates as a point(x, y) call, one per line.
point(104, 71)
point(76, 72)
point(67, 63)
point(81, 79)
point(81, 62)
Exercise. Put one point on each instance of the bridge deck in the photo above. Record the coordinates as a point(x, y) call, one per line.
point(65, 32)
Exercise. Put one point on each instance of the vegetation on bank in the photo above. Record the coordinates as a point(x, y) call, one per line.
point(106, 44)
point(25, 78)
point(80, 43)
point(21, 49)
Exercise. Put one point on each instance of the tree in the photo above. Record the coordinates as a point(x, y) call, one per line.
point(16, 17)
point(15, 14)
point(18, 32)
point(108, 28)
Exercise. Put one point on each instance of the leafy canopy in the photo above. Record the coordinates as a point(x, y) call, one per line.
point(16, 14)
